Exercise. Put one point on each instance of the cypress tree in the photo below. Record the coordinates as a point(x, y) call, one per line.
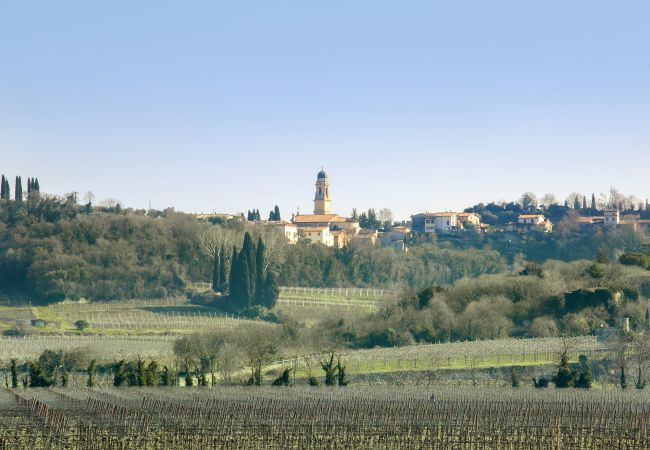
point(37, 187)
point(243, 292)
point(259, 271)
point(277, 213)
point(6, 191)
point(19, 190)
point(248, 253)
point(2, 188)
point(576, 203)
point(584, 202)
point(593, 201)
point(271, 291)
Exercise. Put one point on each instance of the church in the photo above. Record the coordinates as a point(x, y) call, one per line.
point(323, 227)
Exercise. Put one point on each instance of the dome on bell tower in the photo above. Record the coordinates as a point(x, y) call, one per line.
point(322, 175)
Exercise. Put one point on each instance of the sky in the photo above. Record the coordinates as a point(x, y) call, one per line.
point(416, 105)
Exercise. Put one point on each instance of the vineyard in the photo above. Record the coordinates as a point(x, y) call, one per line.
point(317, 418)
point(349, 299)
point(474, 354)
point(105, 348)
point(455, 355)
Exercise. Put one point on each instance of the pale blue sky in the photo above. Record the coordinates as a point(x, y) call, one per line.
point(229, 106)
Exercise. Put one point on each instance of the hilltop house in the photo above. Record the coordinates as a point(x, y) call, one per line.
point(444, 222)
point(527, 222)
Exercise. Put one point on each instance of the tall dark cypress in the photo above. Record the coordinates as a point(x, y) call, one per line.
point(6, 190)
point(248, 252)
point(241, 288)
point(584, 202)
point(19, 190)
point(260, 261)
point(37, 187)
point(2, 188)
point(271, 291)
point(593, 201)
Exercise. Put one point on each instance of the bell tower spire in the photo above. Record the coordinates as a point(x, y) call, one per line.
point(322, 197)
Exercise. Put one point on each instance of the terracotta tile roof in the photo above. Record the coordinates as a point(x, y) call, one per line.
point(318, 218)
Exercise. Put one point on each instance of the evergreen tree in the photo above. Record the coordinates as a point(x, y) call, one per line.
point(284, 379)
point(623, 380)
point(576, 203)
point(585, 375)
point(2, 188)
point(271, 291)
point(565, 376)
point(601, 256)
point(119, 378)
point(165, 377)
point(6, 191)
point(19, 190)
point(188, 377)
point(91, 373)
point(259, 271)
point(593, 201)
point(584, 202)
point(248, 252)
point(276, 212)
point(14, 374)
point(240, 279)
point(37, 188)
point(355, 214)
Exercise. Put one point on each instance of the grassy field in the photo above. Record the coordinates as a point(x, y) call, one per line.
point(317, 418)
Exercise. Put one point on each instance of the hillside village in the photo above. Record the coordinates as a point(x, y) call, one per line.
point(333, 230)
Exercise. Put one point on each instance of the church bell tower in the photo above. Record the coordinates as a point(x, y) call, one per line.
point(322, 198)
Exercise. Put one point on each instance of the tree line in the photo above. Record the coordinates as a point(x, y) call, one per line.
point(33, 188)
